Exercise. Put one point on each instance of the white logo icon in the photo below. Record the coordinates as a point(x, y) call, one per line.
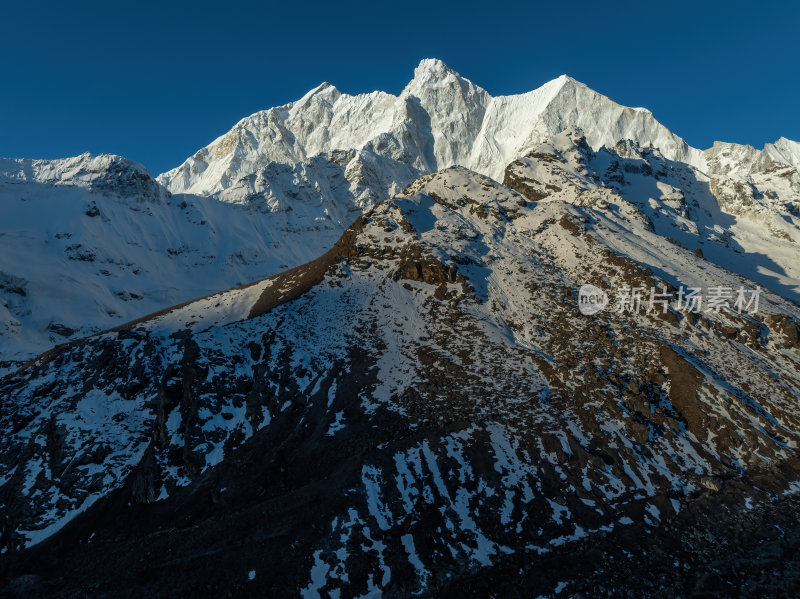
point(591, 299)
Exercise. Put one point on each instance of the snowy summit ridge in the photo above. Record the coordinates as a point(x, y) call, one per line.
point(440, 119)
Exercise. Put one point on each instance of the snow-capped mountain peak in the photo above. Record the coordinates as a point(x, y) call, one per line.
point(440, 119)
point(787, 151)
point(324, 92)
point(103, 173)
point(433, 73)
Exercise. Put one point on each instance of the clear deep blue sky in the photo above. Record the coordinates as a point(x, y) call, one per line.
point(155, 81)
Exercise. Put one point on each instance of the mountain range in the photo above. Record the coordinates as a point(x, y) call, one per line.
point(339, 352)
point(117, 244)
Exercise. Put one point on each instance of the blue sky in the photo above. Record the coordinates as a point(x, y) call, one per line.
point(155, 81)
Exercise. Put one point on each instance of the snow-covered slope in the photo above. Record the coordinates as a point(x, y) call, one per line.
point(749, 228)
point(91, 242)
point(421, 404)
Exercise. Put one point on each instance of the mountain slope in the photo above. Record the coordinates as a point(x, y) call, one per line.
point(92, 242)
point(419, 406)
point(742, 228)
point(747, 199)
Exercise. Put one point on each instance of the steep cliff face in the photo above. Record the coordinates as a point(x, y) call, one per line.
point(421, 407)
